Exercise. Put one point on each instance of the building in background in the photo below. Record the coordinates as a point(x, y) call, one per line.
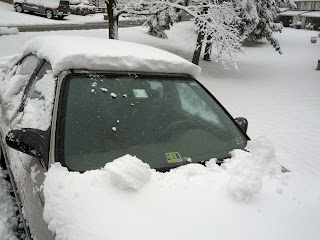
point(306, 15)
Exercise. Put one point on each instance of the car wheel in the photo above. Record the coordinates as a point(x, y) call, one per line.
point(49, 14)
point(19, 9)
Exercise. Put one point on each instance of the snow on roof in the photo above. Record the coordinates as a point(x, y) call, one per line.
point(78, 52)
point(283, 9)
point(315, 14)
point(45, 3)
point(292, 13)
point(306, 0)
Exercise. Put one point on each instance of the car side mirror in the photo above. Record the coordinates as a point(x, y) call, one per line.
point(33, 142)
point(242, 123)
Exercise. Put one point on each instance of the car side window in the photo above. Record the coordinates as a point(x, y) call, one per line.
point(14, 84)
point(32, 92)
point(28, 65)
point(38, 100)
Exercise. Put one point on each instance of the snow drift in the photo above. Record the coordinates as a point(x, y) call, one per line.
point(128, 200)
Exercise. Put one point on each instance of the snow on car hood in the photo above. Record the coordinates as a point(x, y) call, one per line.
point(78, 52)
point(191, 202)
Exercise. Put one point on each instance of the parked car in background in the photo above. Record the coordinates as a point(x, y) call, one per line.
point(85, 101)
point(49, 8)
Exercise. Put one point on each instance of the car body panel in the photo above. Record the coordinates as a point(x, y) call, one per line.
point(64, 10)
point(27, 172)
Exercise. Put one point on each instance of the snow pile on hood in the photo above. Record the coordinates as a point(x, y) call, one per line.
point(8, 31)
point(78, 52)
point(247, 169)
point(190, 202)
point(128, 172)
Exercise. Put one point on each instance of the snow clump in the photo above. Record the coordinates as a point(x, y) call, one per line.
point(128, 172)
point(247, 169)
point(8, 31)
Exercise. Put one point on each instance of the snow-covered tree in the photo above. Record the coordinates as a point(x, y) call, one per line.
point(214, 20)
point(136, 7)
point(258, 19)
point(220, 19)
point(161, 21)
point(221, 24)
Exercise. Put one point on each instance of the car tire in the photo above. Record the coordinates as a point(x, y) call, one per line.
point(19, 8)
point(49, 14)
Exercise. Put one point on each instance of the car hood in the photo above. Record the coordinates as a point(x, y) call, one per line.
point(126, 199)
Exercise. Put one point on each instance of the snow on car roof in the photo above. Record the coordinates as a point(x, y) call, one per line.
point(78, 52)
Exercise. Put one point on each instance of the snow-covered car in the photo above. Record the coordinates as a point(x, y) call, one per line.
point(85, 101)
point(49, 8)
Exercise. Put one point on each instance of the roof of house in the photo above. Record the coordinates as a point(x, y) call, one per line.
point(315, 14)
point(292, 13)
point(306, 0)
point(79, 52)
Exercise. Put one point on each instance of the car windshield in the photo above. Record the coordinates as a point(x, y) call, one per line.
point(166, 121)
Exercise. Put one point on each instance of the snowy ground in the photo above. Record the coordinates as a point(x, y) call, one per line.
point(7, 210)
point(279, 94)
point(9, 17)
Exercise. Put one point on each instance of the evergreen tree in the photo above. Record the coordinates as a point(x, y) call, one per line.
point(258, 19)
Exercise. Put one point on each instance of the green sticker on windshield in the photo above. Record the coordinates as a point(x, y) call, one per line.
point(173, 157)
point(140, 93)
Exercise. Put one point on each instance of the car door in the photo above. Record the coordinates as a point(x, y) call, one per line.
point(32, 6)
point(29, 172)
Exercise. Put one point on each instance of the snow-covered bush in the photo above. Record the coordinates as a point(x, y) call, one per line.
point(158, 23)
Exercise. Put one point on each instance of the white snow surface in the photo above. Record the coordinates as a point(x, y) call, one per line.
point(8, 31)
point(7, 210)
point(128, 172)
point(105, 54)
point(246, 198)
point(190, 202)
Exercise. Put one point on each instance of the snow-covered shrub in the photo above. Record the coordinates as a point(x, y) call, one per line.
point(157, 25)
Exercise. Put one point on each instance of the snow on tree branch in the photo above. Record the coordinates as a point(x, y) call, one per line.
point(221, 24)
